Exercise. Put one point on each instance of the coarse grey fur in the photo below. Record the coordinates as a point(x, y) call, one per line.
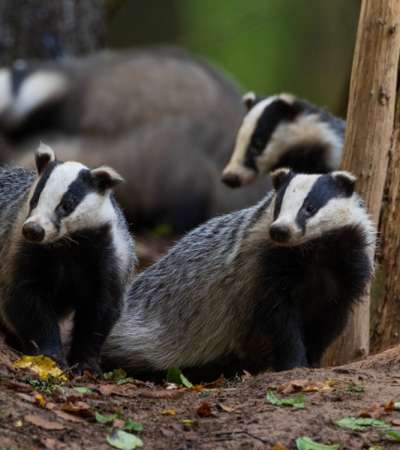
point(164, 119)
point(203, 303)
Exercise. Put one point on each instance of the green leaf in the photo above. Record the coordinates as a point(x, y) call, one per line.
point(83, 390)
point(174, 375)
point(305, 443)
point(124, 441)
point(131, 425)
point(361, 423)
point(115, 375)
point(394, 434)
point(356, 388)
point(297, 401)
point(105, 419)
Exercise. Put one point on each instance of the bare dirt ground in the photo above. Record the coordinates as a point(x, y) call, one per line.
point(229, 414)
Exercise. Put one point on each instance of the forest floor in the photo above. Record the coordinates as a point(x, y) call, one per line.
point(268, 411)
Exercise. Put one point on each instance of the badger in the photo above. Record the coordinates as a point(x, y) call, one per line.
point(270, 286)
point(164, 119)
point(65, 247)
point(284, 131)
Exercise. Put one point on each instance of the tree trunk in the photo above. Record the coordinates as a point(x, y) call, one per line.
point(32, 29)
point(368, 137)
point(387, 325)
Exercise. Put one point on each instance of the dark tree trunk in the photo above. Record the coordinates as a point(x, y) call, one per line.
point(47, 29)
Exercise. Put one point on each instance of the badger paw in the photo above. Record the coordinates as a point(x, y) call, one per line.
point(91, 365)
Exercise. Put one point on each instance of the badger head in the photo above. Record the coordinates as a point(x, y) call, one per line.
point(67, 197)
point(308, 206)
point(26, 90)
point(281, 131)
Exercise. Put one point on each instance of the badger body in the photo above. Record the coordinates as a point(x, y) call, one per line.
point(284, 131)
point(64, 246)
point(166, 119)
point(268, 286)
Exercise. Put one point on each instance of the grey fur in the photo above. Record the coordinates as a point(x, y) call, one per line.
point(196, 306)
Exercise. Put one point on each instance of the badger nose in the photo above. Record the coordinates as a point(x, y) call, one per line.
point(230, 179)
point(33, 232)
point(279, 233)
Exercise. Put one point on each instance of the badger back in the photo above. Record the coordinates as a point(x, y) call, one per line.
point(284, 131)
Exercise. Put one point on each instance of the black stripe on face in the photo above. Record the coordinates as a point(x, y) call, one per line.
point(42, 183)
point(324, 189)
point(76, 192)
point(273, 115)
point(281, 193)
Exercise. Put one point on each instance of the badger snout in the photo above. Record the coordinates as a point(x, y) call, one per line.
point(33, 232)
point(231, 179)
point(280, 233)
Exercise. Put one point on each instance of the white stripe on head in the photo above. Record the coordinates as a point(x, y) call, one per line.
point(243, 138)
point(296, 192)
point(5, 90)
point(36, 90)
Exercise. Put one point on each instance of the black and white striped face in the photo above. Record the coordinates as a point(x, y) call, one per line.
point(281, 131)
point(307, 206)
point(25, 89)
point(67, 198)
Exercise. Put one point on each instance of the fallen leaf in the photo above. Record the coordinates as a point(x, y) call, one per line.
point(115, 375)
point(198, 388)
point(360, 423)
point(174, 375)
point(374, 412)
point(40, 400)
point(69, 417)
point(18, 424)
point(279, 446)
point(189, 423)
point(100, 418)
point(79, 408)
point(296, 401)
point(395, 422)
point(131, 425)
point(41, 422)
point(168, 412)
point(162, 394)
point(394, 434)
point(83, 390)
point(116, 389)
point(124, 441)
point(305, 443)
point(204, 410)
point(296, 386)
point(226, 408)
point(42, 365)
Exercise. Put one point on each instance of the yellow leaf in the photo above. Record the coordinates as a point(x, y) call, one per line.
point(18, 423)
point(168, 412)
point(40, 400)
point(42, 365)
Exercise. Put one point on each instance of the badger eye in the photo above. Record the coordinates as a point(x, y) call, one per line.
point(66, 206)
point(309, 209)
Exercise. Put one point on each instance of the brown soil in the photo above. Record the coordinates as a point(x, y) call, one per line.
point(230, 414)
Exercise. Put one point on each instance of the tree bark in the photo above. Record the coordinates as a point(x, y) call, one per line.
point(32, 29)
point(368, 137)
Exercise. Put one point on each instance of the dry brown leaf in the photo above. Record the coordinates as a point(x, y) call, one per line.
point(296, 386)
point(162, 393)
point(204, 410)
point(118, 423)
point(41, 422)
point(279, 446)
point(78, 408)
point(374, 412)
point(69, 417)
point(123, 390)
point(198, 388)
point(226, 408)
point(389, 406)
point(395, 422)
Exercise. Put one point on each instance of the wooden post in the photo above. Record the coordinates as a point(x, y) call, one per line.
point(368, 140)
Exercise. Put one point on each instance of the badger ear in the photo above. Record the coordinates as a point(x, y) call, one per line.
point(249, 100)
point(105, 178)
point(345, 181)
point(43, 156)
point(279, 177)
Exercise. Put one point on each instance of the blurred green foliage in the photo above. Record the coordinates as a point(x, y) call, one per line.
point(299, 46)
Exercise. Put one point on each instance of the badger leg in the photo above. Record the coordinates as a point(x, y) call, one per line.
point(92, 324)
point(285, 327)
point(36, 325)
